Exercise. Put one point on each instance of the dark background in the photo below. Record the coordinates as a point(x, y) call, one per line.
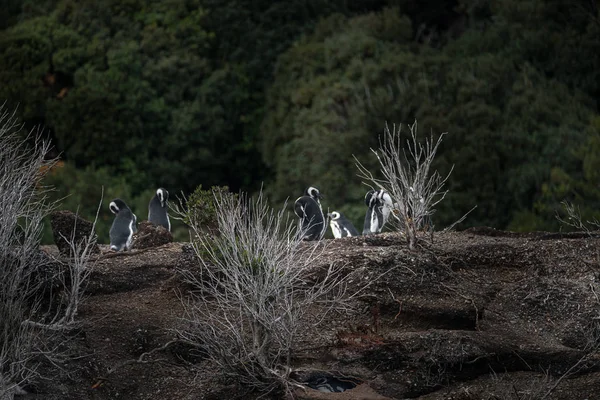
point(140, 94)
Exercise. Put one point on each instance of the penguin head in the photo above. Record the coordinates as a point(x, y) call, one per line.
point(314, 193)
point(163, 196)
point(334, 215)
point(377, 197)
point(117, 205)
point(370, 197)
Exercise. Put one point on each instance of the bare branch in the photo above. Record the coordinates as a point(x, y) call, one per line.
point(140, 360)
point(256, 285)
point(32, 323)
point(23, 206)
point(458, 221)
point(574, 219)
point(405, 169)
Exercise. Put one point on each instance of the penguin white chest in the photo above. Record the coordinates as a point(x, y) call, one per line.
point(131, 231)
point(374, 222)
point(335, 228)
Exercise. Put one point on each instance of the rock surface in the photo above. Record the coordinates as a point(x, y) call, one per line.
point(150, 235)
point(67, 225)
point(479, 314)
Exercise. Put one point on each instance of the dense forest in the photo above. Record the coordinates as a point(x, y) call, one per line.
point(136, 94)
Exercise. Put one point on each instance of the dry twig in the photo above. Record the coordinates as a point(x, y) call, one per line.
point(414, 189)
point(140, 360)
point(255, 289)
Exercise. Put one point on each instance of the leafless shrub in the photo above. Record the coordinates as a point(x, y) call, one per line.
point(256, 286)
point(22, 208)
point(74, 280)
point(407, 177)
point(574, 219)
point(26, 338)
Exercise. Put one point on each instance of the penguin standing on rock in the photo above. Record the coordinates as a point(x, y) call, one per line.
point(380, 205)
point(341, 226)
point(308, 209)
point(123, 226)
point(157, 209)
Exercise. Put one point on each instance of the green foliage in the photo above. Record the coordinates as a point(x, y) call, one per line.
point(578, 185)
point(201, 214)
point(117, 83)
point(238, 92)
point(321, 109)
point(158, 91)
point(201, 207)
point(335, 89)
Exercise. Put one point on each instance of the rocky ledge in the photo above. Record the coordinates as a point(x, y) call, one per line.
point(478, 314)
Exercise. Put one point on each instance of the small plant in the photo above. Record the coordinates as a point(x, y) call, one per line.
point(79, 270)
point(201, 208)
point(31, 330)
point(573, 219)
point(22, 209)
point(253, 290)
point(407, 177)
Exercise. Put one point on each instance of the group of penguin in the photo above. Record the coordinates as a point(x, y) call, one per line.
point(307, 208)
point(125, 223)
point(312, 220)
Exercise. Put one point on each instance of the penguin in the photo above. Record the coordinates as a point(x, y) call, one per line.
point(328, 383)
point(332, 385)
point(312, 221)
point(341, 226)
point(380, 205)
point(123, 226)
point(157, 209)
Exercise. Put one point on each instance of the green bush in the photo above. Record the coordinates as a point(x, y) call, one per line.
point(202, 215)
point(201, 208)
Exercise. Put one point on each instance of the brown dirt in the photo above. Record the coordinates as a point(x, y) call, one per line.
point(479, 314)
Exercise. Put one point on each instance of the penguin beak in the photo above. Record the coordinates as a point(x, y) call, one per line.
point(328, 215)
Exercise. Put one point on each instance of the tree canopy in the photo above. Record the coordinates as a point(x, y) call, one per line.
point(137, 94)
point(511, 118)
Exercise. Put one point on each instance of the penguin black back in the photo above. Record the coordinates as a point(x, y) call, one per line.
point(123, 227)
point(158, 209)
point(379, 205)
point(308, 209)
